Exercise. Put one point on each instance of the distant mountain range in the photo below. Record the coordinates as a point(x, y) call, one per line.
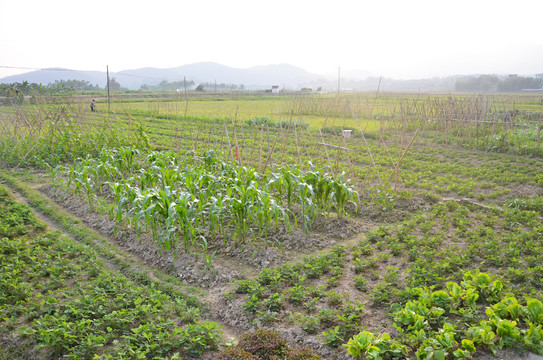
point(48, 76)
point(253, 77)
point(257, 77)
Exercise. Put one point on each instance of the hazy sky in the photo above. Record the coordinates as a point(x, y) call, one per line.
point(401, 39)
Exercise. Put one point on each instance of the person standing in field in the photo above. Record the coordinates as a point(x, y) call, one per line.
point(92, 105)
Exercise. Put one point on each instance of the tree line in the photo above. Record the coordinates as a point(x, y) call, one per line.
point(169, 85)
point(493, 83)
point(191, 85)
point(58, 87)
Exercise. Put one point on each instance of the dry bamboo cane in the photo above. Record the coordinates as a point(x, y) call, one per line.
point(238, 152)
point(29, 151)
point(285, 139)
point(308, 139)
point(338, 158)
point(228, 139)
point(367, 147)
point(271, 152)
point(373, 104)
point(382, 140)
point(348, 158)
point(297, 147)
point(20, 138)
point(253, 146)
point(185, 117)
point(245, 146)
point(260, 150)
point(326, 151)
point(268, 135)
point(403, 155)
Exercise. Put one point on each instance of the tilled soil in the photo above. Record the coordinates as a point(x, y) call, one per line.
point(191, 268)
point(232, 263)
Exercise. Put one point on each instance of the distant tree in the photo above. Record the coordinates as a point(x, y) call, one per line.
point(25, 87)
point(37, 88)
point(493, 83)
point(167, 85)
point(519, 83)
point(60, 86)
point(479, 83)
point(69, 85)
point(174, 85)
point(200, 87)
point(114, 85)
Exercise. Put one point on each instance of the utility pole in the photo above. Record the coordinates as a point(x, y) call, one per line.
point(185, 85)
point(108, 103)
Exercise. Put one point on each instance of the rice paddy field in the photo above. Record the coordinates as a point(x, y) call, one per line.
point(300, 226)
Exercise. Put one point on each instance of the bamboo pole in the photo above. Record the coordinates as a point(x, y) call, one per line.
point(238, 152)
point(368, 149)
point(325, 150)
point(403, 155)
point(260, 150)
point(228, 139)
point(270, 154)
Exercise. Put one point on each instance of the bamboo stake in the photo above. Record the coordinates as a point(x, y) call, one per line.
point(270, 154)
point(368, 149)
point(348, 158)
point(297, 147)
point(403, 155)
point(325, 150)
point(228, 139)
point(285, 139)
point(238, 152)
point(335, 146)
point(260, 150)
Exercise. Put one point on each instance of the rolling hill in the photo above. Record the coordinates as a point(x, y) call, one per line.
point(258, 77)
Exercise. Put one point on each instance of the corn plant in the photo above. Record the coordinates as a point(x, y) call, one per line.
point(241, 204)
point(185, 200)
point(308, 211)
point(343, 195)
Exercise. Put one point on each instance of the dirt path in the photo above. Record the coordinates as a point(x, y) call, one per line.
point(51, 226)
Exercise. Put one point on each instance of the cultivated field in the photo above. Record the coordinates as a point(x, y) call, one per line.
point(307, 226)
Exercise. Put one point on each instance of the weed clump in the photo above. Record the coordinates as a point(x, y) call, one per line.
point(266, 345)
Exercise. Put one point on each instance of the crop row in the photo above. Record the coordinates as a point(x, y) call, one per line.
point(58, 297)
point(477, 175)
point(443, 324)
point(442, 251)
point(190, 201)
point(421, 168)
